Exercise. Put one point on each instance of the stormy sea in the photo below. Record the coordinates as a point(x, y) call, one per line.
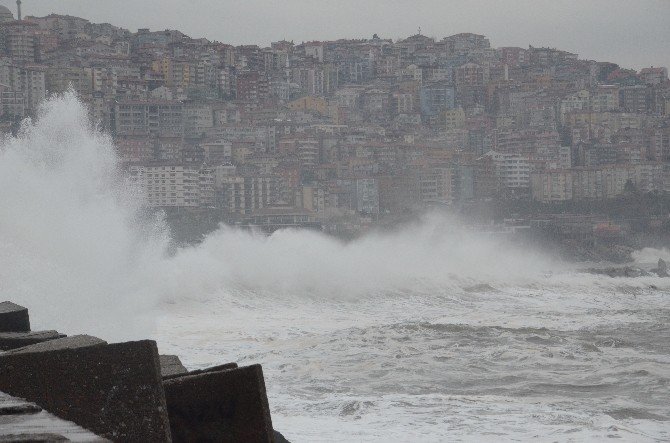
point(429, 332)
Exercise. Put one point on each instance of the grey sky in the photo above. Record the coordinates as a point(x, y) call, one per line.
point(633, 33)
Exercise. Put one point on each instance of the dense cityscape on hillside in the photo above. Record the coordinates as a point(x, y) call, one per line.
point(419, 239)
point(357, 130)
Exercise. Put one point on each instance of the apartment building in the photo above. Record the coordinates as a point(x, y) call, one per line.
point(149, 118)
point(174, 185)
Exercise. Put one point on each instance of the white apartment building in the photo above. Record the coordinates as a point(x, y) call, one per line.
point(33, 86)
point(29, 80)
point(512, 170)
point(175, 185)
point(366, 195)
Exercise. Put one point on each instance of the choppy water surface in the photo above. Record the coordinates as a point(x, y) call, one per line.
point(575, 358)
point(427, 333)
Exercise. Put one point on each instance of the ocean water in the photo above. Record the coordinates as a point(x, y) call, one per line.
point(427, 333)
point(565, 358)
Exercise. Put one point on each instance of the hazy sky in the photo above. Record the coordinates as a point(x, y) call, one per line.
point(633, 33)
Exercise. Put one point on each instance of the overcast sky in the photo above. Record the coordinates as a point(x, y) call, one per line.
point(632, 33)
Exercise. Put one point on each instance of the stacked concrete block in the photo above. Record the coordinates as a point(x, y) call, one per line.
point(224, 406)
point(14, 340)
point(114, 390)
point(22, 421)
point(13, 318)
point(15, 328)
point(126, 391)
point(171, 366)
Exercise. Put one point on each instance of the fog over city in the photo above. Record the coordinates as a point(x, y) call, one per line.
point(631, 33)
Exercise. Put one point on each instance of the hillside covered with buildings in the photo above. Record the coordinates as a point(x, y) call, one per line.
point(300, 133)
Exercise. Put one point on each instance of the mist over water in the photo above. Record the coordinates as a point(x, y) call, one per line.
point(435, 252)
point(427, 332)
point(650, 256)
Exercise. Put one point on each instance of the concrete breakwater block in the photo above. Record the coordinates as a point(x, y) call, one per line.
point(13, 318)
point(22, 421)
point(217, 368)
point(14, 340)
point(32, 438)
point(171, 366)
point(114, 390)
point(59, 344)
point(222, 406)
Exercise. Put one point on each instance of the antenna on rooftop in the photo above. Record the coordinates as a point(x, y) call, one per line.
point(419, 26)
point(18, 9)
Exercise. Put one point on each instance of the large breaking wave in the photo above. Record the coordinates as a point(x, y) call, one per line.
point(78, 249)
point(74, 245)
